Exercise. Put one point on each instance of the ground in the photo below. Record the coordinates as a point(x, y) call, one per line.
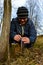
point(30, 56)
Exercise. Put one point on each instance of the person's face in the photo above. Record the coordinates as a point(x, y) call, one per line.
point(22, 20)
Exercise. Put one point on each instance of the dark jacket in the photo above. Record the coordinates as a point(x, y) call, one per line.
point(29, 30)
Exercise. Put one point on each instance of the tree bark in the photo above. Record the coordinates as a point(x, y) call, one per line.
point(4, 40)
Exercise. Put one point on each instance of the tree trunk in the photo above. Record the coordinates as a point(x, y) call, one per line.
point(4, 41)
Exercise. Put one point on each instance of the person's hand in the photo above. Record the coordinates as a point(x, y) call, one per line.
point(17, 37)
point(26, 40)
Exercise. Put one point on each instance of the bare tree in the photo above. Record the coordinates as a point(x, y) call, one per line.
point(4, 39)
point(31, 4)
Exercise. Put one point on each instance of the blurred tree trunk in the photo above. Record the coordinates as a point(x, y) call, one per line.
point(4, 40)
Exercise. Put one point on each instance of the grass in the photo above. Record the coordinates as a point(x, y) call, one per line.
point(31, 56)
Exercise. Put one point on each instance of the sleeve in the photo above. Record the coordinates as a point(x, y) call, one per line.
point(33, 33)
point(12, 29)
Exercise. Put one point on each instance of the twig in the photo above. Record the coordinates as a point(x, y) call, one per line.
point(22, 46)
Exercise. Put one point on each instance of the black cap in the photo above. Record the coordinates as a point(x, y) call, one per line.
point(22, 12)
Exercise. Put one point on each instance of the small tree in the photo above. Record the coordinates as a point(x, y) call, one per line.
point(4, 39)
